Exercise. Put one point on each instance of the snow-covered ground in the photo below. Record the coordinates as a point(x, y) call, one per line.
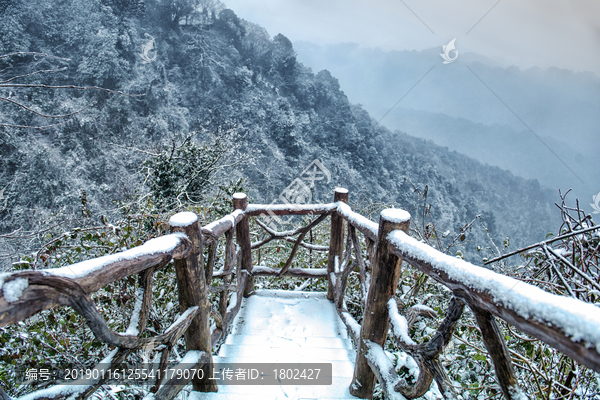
point(287, 327)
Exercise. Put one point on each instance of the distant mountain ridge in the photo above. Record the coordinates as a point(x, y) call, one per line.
point(452, 107)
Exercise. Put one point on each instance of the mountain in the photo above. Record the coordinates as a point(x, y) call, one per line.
point(531, 122)
point(194, 64)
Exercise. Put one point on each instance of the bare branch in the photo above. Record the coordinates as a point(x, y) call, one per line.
point(32, 53)
point(566, 235)
point(31, 127)
point(37, 85)
point(44, 115)
point(43, 71)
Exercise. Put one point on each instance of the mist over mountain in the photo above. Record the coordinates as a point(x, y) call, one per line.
point(544, 111)
point(210, 69)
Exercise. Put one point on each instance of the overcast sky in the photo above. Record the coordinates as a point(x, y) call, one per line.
point(561, 33)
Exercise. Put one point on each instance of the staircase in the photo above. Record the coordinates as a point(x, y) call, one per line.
point(275, 326)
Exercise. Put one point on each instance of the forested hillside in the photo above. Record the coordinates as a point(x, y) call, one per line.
point(454, 108)
point(211, 72)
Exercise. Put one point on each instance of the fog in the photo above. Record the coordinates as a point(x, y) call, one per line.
point(522, 94)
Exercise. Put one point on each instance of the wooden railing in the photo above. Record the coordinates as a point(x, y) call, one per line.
point(569, 325)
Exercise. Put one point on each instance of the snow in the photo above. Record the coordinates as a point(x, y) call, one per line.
point(288, 314)
point(406, 360)
point(232, 302)
point(181, 318)
point(376, 356)
point(395, 215)
point(192, 357)
point(351, 323)
point(239, 196)
point(74, 388)
point(135, 318)
point(562, 252)
point(56, 391)
point(517, 393)
point(580, 321)
point(318, 208)
point(317, 272)
point(12, 290)
point(163, 244)
point(262, 268)
point(425, 308)
point(277, 326)
point(356, 219)
point(333, 279)
point(229, 218)
point(183, 219)
point(398, 323)
point(434, 392)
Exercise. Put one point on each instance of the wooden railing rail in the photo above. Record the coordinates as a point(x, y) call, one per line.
point(89, 275)
point(567, 324)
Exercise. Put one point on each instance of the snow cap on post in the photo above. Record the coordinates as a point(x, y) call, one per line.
point(395, 215)
point(183, 219)
point(340, 194)
point(187, 223)
point(240, 201)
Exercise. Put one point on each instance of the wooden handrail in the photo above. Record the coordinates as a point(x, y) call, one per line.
point(255, 210)
point(217, 228)
point(90, 275)
point(569, 325)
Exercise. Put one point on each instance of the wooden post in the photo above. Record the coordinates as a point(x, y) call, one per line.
point(242, 233)
point(498, 351)
point(191, 283)
point(384, 279)
point(336, 239)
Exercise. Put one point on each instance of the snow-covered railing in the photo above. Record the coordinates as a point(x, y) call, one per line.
point(567, 324)
point(26, 293)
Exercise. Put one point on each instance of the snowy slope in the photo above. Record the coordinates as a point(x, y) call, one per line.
point(287, 327)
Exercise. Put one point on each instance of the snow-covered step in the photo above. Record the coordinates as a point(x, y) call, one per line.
point(275, 341)
point(337, 390)
point(338, 368)
point(292, 353)
point(281, 313)
point(275, 326)
point(234, 396)
point(284, 327)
